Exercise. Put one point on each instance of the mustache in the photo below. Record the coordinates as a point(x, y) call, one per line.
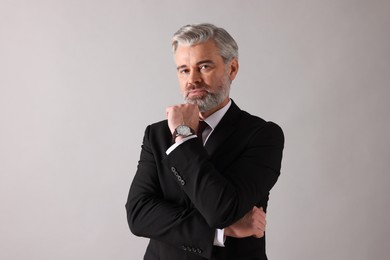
point(192, 87)
point(198, 86)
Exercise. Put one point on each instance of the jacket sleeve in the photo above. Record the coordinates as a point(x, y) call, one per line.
point(151, 215)
point(223, 198)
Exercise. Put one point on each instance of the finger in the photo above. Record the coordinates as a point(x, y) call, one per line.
point(259, 234)
point(256, 211)
point(260, 219)
point(258, 225)
point(261, 227)
point(261, 212)
point(261, 224)
point(167, 110)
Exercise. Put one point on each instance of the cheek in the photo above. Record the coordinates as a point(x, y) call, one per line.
point(182, 86)
point(209, 80)
point(213, 80)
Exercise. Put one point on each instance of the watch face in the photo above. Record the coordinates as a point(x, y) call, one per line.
point(183, 130)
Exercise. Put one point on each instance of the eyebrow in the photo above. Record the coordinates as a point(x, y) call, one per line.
point(198, 63)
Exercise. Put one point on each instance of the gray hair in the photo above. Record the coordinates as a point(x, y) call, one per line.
point(199, 33)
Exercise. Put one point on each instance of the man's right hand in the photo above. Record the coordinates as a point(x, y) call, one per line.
point(252, 224)
point(183, 114)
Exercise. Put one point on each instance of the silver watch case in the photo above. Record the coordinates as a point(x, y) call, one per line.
point(183, 130)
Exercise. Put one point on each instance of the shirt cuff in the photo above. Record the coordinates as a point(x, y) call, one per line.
point(219, 238)
point(170, 149)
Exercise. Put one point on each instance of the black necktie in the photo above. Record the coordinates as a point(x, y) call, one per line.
point(202, 126)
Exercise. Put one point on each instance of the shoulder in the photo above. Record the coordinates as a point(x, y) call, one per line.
point(158, 134)
point(260, 127)
point(256, 121)
point(158, 129)
point(235, 113)
point(158, 137)
point(160, 125)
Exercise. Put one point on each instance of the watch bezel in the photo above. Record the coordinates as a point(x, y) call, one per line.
point(183, 130)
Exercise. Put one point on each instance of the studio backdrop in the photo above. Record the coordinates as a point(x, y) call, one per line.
point(81, 80)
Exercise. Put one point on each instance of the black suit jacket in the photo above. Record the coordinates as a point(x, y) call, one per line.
point(178, 200)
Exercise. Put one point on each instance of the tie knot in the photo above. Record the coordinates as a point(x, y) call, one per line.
point(202, 126)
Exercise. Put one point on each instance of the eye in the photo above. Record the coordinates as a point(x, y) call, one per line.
point(205, 67)
point(183, 71)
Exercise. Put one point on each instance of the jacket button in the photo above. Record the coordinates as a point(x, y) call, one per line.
point(179, 178)
point(173, 169)
point(184, 248)
point(182, 182)
point(199, 250)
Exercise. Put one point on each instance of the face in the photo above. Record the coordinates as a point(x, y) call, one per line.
point(203, 76)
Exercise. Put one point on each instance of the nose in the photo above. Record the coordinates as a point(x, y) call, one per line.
point(194, 77)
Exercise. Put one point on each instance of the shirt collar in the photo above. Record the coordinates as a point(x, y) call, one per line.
point(216, 117)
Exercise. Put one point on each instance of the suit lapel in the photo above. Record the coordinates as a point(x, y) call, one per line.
point(224, 129)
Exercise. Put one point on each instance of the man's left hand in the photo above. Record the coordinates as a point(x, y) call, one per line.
point(252, 224)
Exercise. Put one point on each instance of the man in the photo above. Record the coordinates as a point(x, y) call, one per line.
point(202, 197)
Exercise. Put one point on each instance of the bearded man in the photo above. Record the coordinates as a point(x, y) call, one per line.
point(203, 179)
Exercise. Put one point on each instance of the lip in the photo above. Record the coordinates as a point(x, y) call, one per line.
point(196, 92)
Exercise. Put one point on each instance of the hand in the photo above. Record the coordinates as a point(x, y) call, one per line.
point(252, 224)
point(183, 114)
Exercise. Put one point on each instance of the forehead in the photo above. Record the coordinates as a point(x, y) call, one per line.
point(190, 54)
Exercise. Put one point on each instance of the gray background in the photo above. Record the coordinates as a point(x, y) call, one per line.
point(81, 79)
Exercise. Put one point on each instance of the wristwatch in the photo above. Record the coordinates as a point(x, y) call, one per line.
point(182, 130)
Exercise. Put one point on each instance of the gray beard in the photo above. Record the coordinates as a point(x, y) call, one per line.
point(211, 100)
point(207, 102)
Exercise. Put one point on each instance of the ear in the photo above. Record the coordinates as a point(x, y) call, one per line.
point(233, 69)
